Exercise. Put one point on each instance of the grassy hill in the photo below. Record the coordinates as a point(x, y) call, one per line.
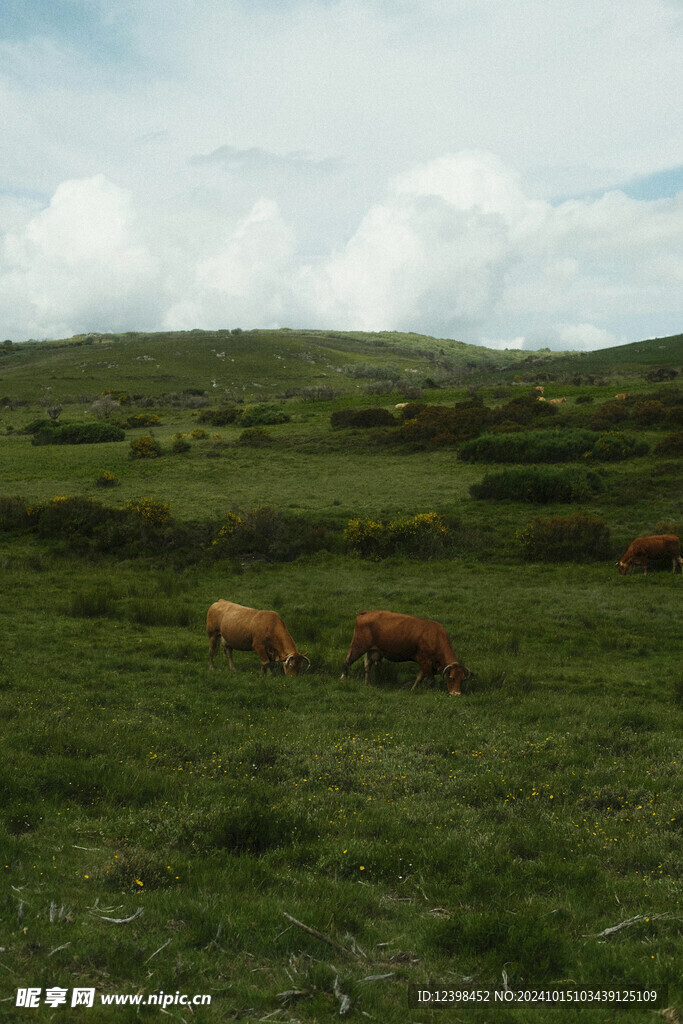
point(295, 847)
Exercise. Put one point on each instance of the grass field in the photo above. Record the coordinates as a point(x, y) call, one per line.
point(526, 836)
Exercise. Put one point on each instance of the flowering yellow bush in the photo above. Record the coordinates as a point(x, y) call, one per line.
point(145, 447)
point(152, 512)
point(423, 535)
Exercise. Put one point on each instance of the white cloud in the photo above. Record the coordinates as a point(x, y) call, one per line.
point(78, 265)
point(365, 132)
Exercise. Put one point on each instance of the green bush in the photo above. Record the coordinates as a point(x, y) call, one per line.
point(565, 539)
point(267, 533)
point(144, 419)
point(363, 418)
point(422, 536)
point(539, 485)
point(80, 433)
point(219, 417)
point(263, 414)
point(145, 447)
point(565, 445)
point(13, 514)
point(180, 444)
point(107, 479)
point(255, 437)
point(672, 444)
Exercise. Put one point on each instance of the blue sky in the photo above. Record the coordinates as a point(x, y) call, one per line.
point(503, 174)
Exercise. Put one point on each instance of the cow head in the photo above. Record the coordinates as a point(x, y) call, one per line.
point(293, 664)
point(622, 567)
point(455, 674)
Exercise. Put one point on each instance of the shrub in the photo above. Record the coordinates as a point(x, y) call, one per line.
point(539, 485)
point(565, 538)
point(263, 414)
point(672, 444)
point(180, 444)
point(363, 418)
point(255, 437)
point(551, 446)
point(219, 417)
point(145, 447)
point(68, 517)
point(37, 425)
point(106, 479)
point(423, 535)
point(150, 511)
point(266, 533)
point(80, 433)
point(13, 514)
point(144, 419)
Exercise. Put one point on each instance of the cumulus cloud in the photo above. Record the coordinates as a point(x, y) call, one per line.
point(458, 246)
point(78, 264)
point(454, 248)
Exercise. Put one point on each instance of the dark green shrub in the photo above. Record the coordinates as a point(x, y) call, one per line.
point(672, 444)
point(68, 517)
point(219, 417)
point(539, 485)
point(263, 414)
point(13, 514)
point(107, 479)
point(35, 426)
point(437, 425)
point(564, 445)
point(255, 437)
point(80, 433)
point(144, 419)
point(180, 444)
point(565, 538)
point(363, 418)
point(266, 533)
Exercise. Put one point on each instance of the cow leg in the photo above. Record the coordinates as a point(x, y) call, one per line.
point(370, 659)
point(214, 641)
point(353, 654)
point(426, 672)
point(228, 654)
point(264, 657)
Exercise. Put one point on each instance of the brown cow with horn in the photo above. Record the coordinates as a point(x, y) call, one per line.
point(248, 629)
point(638, 552)
point(379, 634)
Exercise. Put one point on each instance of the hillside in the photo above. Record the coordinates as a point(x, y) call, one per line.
point(241, 363)
point(245, 364)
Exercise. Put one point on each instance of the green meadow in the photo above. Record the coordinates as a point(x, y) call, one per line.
point(305, 849)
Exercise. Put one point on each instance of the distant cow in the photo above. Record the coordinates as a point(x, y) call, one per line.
point(539, 387)
point(556, 401)
point(379, 634)
point(623, 395)
point(247, 629)
point(400, 405)
point(541, 399)
point(666, 545)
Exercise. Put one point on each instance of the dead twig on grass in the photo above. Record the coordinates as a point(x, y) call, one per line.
point(119, 920)
point(625, 924)
point(323, 938)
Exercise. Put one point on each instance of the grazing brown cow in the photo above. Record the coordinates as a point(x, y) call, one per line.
point(643, 548)
point(623, 395)
point(247, 629)
point(541, 399)
point(556, 401)
point(379, 634)
point(539, 387)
